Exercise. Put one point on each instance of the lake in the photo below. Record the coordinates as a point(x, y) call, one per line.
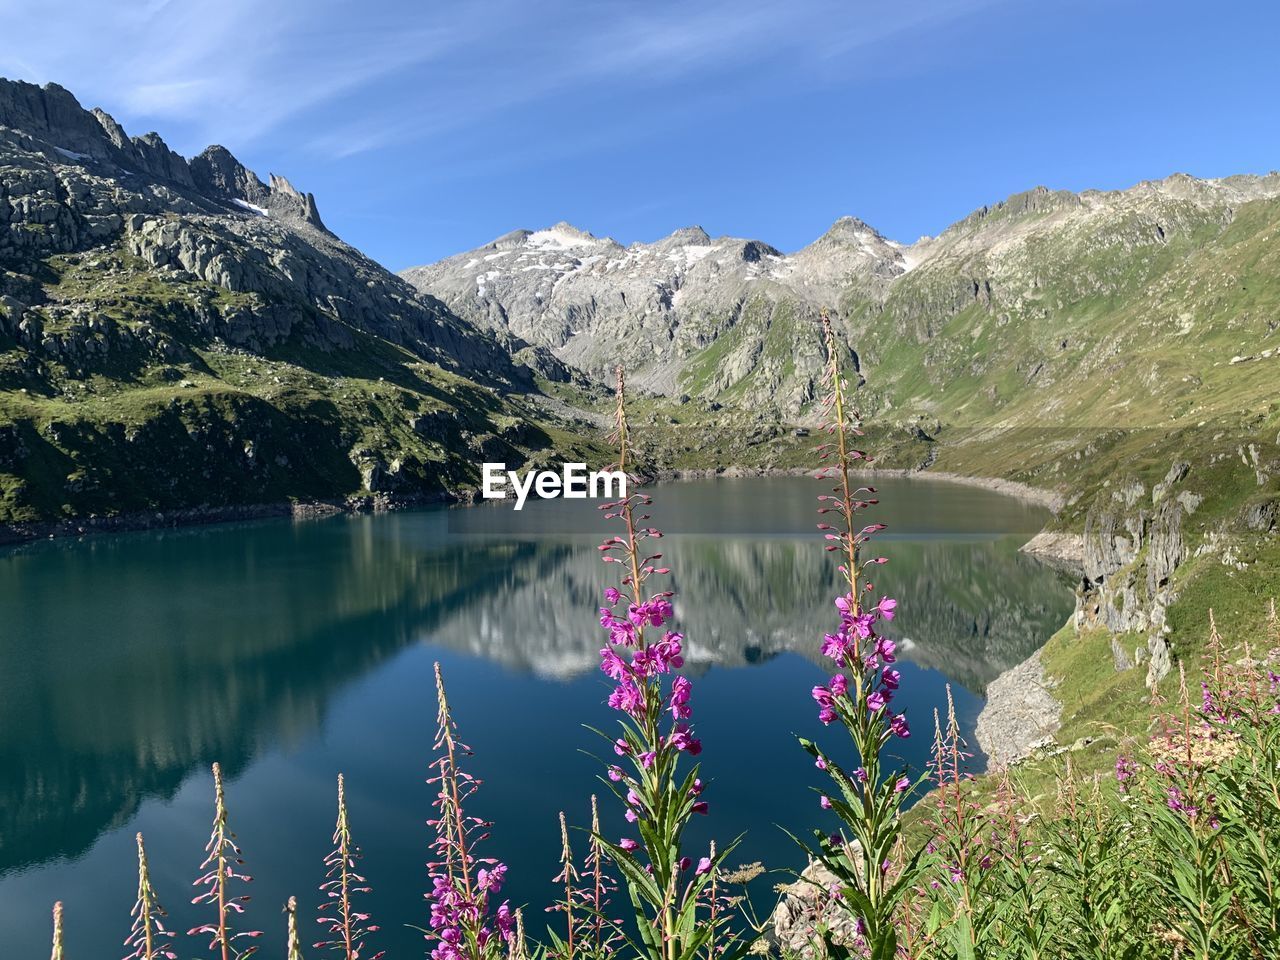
point(292, 651)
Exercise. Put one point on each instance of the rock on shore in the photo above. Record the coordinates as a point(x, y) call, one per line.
point(1057, 548)
point(805, 908)
point(1020, 714)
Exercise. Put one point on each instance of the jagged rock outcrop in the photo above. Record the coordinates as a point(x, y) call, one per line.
point(217, 173)
point(51, 115)
point(1131, 551)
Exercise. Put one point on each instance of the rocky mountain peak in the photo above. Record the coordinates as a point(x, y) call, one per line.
point(508, 240)
point(217, 173)
point(846, 236)
point(683, 243)
point(293, 202)
point(156, 157)
point(561, 236)
point(693, 235)
point(53, 116)
point(850, 228)
point(753, 251)
point(1037, 200)
point(114, 132)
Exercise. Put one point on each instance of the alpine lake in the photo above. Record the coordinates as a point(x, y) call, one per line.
point(292, 651)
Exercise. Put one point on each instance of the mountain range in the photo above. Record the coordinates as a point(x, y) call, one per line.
point(1012, 292)
point(687, 314)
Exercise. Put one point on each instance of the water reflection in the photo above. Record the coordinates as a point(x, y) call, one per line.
point(976, 608)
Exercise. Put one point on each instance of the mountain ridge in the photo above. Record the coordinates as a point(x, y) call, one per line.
point(678, 297)
point(178, 334)
point(633, 303)
point(53, 111)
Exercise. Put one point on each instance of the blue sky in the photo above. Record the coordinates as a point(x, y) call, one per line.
point(427, 128)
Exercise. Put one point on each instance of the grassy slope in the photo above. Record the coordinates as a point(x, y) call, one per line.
point(1098, 349)
point(1145, 378)
point(185, 420)
point(1104, 710)
point(1093, 334)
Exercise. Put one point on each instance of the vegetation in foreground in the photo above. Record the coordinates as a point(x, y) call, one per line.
point(1175, 853)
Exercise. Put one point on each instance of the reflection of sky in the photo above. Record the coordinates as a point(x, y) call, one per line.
point(292, 651)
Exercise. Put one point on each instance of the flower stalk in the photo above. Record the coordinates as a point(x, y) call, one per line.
point(866, 798)
point(221, 866)
point(346, 925)
point(57, 953)
point(659, 793)
point(148, 936)
point(293, 941)
point(461, 926)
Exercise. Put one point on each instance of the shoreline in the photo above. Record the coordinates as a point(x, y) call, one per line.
point(16, 533)
point(1052, 500)
point(19, 533)
point(1058, 548)
point(1020, 714)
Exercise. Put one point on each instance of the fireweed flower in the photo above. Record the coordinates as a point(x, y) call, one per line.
point(148, 936)
point(463, 885)
point(675, 908)
point(587, 893)
point(1125, 771)
point(222, 863)
point(338, 914)
point(859, 697)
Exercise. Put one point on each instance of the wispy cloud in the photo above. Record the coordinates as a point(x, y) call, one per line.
point(394, 72)
point(235, 70)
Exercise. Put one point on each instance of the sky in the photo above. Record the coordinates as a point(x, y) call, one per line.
point(428, 128)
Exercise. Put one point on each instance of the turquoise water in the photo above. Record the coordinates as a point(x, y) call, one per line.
point(291, 652)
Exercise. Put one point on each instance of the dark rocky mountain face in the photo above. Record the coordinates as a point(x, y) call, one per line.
point(191, 305)
point(74, 181)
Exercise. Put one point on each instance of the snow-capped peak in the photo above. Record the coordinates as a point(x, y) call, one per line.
point(562, 236)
